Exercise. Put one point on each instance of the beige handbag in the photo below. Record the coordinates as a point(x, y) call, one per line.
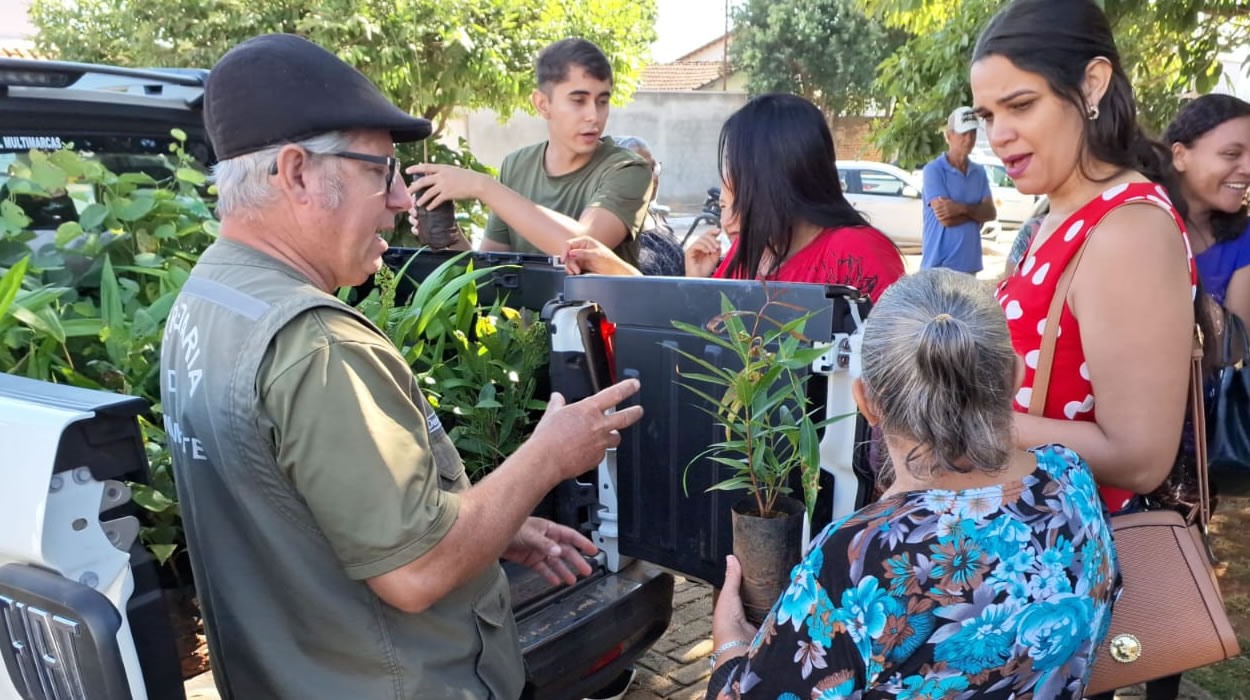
point(1169, 616)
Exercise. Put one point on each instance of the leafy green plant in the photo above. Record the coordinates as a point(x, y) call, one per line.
point(478, 366)
point(762, 406)
point(419, 325)
point(162, 532)
point(85, 303)
point(93, 303)
point(488, 385)
point(11, 284)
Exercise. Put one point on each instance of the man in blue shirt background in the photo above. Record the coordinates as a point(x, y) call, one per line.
point(957, 200)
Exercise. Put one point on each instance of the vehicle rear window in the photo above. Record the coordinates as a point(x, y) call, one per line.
point(120, 154)
point(882, 184)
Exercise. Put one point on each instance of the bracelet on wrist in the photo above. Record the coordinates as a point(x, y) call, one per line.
point(724, 648)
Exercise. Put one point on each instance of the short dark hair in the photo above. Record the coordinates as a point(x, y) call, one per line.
point(554, 62)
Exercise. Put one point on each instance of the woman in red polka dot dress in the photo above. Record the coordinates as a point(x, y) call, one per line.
point(1026, 296)
point(1059, 112)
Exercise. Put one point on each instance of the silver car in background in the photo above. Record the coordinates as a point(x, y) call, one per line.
point(887, 196)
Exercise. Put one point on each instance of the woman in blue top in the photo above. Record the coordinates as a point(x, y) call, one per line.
point(984, 571)
point(1210, 141)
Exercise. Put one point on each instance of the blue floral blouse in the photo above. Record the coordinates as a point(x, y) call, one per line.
point(999, 592)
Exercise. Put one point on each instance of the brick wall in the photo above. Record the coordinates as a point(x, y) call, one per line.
point(852, 139)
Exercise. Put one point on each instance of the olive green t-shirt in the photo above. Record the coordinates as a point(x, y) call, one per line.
point(615, 179)
point(378, 471)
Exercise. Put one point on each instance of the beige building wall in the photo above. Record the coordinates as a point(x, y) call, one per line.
point(682, 128)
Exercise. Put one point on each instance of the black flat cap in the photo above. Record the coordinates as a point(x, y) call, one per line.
point(279, 88)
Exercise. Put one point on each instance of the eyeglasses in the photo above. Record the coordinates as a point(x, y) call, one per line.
point(391, 163)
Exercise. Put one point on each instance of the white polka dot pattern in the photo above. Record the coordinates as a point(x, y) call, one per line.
point(1074, 230)
point(1115, 191)
point(1072, 408)
point(1024, 396)
point(1028, 265)
point(1025, 297)
point(1040, 275)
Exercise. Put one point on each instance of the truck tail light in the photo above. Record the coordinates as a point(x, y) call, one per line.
point(603, 661)
point(607, 331)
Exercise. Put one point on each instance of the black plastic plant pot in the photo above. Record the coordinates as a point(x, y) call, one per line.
point(438, 226)
point(768, 549)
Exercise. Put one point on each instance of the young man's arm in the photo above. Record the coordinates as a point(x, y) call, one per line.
point(548, 230)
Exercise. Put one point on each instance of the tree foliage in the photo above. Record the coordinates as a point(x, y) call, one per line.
point(429, 56)
point(1169, 47)
point(824, 50)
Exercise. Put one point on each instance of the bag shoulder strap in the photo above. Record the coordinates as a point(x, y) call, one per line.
point(1198, 420)
point(1050, 336)
point(1046, 362)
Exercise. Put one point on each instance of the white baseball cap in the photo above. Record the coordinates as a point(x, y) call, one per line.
point(962, 120)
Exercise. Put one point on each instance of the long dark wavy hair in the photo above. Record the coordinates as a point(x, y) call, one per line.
point(1193, 121)
point(777, 156)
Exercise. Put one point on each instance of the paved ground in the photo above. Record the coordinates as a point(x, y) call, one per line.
point(676, 667)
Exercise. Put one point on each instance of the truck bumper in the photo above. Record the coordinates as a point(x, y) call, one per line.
point(587, 637)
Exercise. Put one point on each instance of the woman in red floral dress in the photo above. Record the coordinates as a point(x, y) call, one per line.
point(1059, 111)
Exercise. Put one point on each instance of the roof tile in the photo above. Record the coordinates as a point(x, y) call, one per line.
point(21, 52)
point(680, 76)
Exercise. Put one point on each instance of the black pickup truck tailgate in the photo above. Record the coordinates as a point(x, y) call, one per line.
point(577, 639)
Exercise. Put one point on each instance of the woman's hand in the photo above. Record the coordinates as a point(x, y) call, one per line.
point(703, 255)
point(729, 620)
point(586, 255)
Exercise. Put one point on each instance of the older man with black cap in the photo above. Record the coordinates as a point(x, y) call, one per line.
point(338, 549)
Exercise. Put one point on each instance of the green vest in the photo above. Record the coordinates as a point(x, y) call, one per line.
point(282, 617)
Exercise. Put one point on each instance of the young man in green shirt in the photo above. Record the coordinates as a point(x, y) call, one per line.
point(576, 183)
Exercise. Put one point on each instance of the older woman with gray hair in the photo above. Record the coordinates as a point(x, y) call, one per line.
point(983, 569)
